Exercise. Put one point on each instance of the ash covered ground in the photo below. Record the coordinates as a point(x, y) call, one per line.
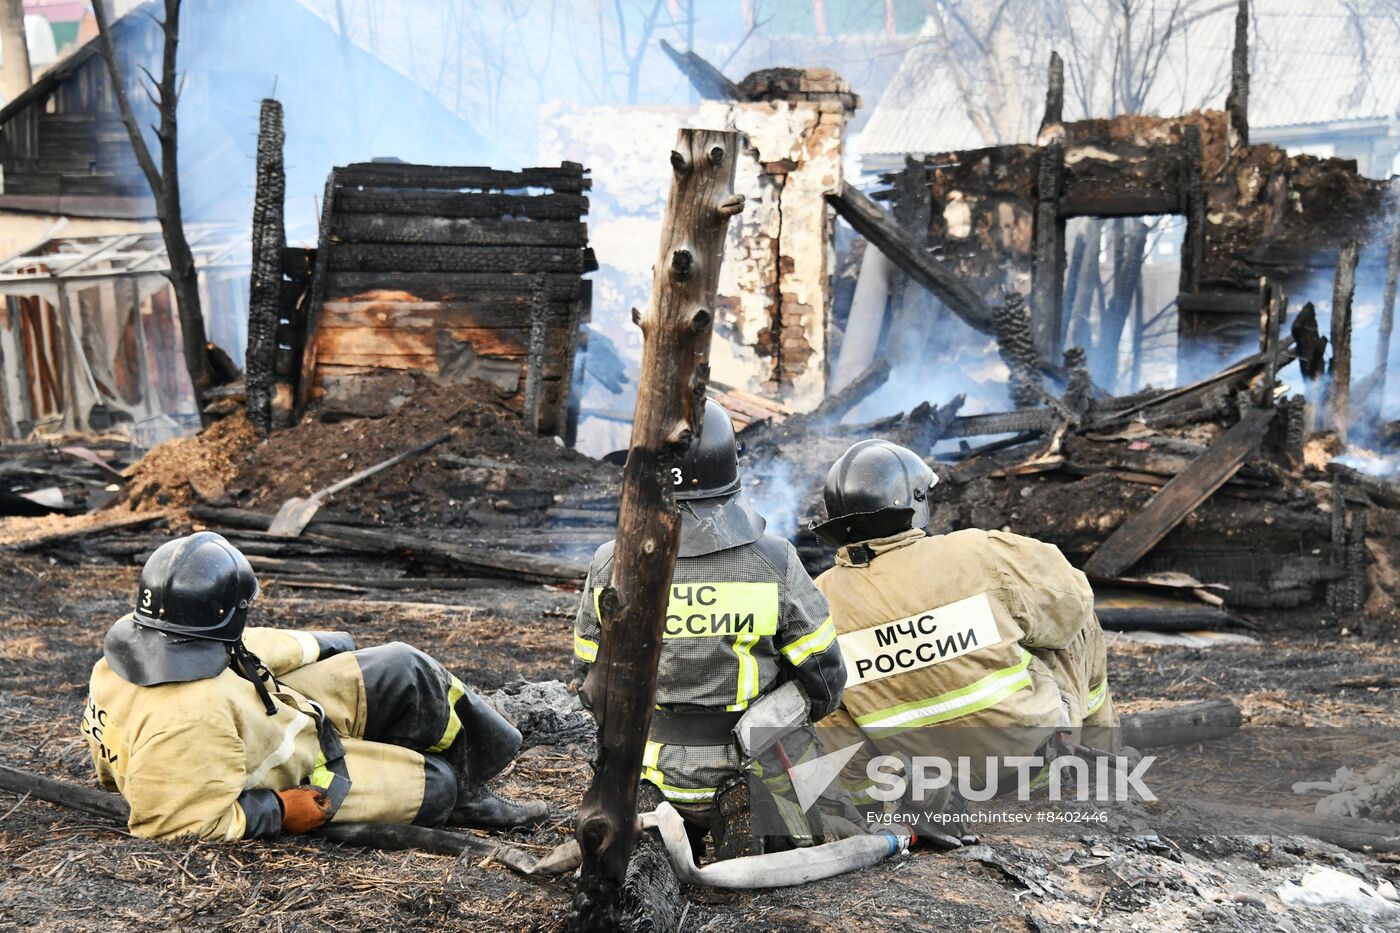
point(67, 871)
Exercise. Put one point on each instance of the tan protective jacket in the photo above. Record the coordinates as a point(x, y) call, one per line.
point(976, 628)
point(182, 753)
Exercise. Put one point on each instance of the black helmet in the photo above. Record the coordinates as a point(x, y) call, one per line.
point(710, 468)
point(875, 489)
point(200, 586)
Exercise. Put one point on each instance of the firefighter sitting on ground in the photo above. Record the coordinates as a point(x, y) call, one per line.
point(214, 730)
point(987, 635)
point(742, 621)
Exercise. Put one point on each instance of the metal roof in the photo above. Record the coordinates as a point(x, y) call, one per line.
point(1306, 67)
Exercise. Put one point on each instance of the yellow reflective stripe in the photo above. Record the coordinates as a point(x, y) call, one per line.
point(584, 649)
point(748, 672)
point(454, 725)
point(321, 776)
point(686, 794)
point(812, 643)
point(652, 774)
point(987, 692)
point(1096, 698)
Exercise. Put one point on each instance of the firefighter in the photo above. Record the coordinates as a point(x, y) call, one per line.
point(214, 730)
point(743, 619)
point(988, 635)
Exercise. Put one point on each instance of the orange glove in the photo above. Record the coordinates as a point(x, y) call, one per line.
point(304, 808)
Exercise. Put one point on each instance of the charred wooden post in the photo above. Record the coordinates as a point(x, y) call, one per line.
point(676, 331)
point(1193, 206)
point(1392, 272)
point(265, 287)
point(909, 305)
point(1237, 102)
point(1054, 93)
point(534, 365)
point(1339, 393)
point(1273, 307)
point(1048, 288)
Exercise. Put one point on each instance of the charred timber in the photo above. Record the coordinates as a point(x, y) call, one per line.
point(424, 203)
point(265, 287)
point(398, 257)
point(568, 177)
point(460, 231)
point(676, 331)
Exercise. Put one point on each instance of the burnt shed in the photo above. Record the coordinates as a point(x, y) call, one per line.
point(447, 274)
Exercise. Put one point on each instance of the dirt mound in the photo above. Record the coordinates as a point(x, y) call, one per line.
point(179, 472)
point(489, 470)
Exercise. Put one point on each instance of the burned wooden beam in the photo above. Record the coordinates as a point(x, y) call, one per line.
point(1030, 420)
point(534, 366)
point(1181, 725)
point(1180, 497)
point(709, 82)
point(1339, 391)
point(307, 377)
point(568, 177)
point(676, 331)
point(265, 288)
point(873, 223)
point(1017, 339)
point(1054, 93)
point(1047, 289)
point(1237, 102)
point(836, 406)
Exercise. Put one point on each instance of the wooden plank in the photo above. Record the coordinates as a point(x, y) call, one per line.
point(370, 341)
point(567, 177)
point(391, 257)
point(392, 314)
point(402, 228)
point(881, 230)
point(86, 529)
point(1091, 203)
point(446, 286)
point(306, 380)
point(1180, 497)
point(1339, 392)
point(460, 204)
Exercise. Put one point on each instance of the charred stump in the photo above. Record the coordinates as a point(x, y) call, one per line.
point(1339, 393)
point(265, 287)
point(676, 330)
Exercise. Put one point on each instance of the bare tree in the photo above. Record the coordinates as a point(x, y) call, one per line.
point(164, 181)
point(14, 46)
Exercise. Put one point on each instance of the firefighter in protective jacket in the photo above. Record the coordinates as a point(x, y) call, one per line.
point(214, 730)
point(990, 636)
point(743, 618)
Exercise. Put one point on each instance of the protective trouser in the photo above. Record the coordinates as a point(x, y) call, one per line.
point(397, 711)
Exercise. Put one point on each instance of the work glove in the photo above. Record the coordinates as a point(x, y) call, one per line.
point(304, 808)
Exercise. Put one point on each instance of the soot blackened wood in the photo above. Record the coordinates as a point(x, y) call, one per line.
point(460, 231)
point(567, 177)
point(1339, 393)
point(1237, 103)
point(1181, 725)
point(676, 330)
point(399, 257)
point(265, 287)
point(1048, 289)
point(1180, 497)
point(1054, 93)
point(534, 365)
point(709, 82)
point(461, 204)
point(447, 286)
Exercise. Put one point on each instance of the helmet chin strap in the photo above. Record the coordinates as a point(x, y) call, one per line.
point(250, 668)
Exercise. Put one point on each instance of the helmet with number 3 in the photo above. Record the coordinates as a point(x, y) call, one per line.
point(191, 608)
point(710, 468)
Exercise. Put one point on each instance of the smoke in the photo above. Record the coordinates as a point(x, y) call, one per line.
point(771, 490)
